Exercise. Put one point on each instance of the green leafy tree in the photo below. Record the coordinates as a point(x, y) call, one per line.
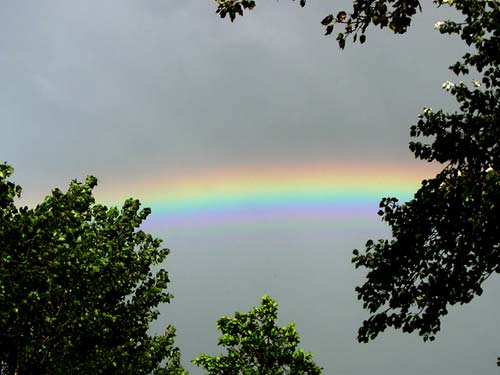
point(446, 240)
point(256, 346)
point(77, 287)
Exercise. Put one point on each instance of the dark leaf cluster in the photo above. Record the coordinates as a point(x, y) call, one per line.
point(233, 7)
point(236, 7)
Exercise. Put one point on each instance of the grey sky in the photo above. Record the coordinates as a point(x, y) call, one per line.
point(174, 82)
point(137, 88)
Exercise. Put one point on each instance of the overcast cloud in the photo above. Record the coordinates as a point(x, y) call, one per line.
point(131, 89)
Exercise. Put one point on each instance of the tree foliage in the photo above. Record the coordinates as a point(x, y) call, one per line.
point(446, 240)
point(256, 346)
point(77, 287)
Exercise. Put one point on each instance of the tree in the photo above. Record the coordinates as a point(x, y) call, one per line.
point(77, 287)
point(446, 240)
point(255, 345)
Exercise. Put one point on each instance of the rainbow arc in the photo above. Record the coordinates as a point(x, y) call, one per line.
point(261, 193)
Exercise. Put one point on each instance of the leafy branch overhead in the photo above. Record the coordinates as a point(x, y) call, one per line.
point(233, 7)
point(383, 13)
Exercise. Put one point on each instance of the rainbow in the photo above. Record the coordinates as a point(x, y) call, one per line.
point(253, 193)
